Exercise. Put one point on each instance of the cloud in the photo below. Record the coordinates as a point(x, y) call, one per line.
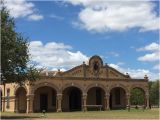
point(150, 57)
point(136, 73)
point(157, 67)
point(35, 17)
point(154, 56)
point(56, 17)
point(115, 54)
point(55, 55)
point(23, 9)
point(102, 16)
point(151, 47)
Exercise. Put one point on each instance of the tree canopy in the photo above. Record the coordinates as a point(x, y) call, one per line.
point(154, 92)
point(137, 95)
point(14, 52)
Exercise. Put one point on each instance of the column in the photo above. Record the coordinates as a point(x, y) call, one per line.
point(84, 101)
point(30, 99)
point(59, 102)
point(147, 100)
point(106, 99)
point(3, 103)
point(128, 100)
point(15, 104)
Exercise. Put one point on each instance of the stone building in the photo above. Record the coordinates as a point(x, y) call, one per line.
point(79, 88)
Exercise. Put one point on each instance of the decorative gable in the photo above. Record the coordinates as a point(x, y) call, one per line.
point(94, 69)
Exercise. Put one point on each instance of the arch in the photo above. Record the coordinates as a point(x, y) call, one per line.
point(43, 84)
point(72, 98)
point(97, 58)
point(45, 97)
point(21, 99)
point(140, 87)
point(96, 85)
point(19, 86)
point(120, 86)
point(137, 96)
point(95, 96)
point(117, 98)
point(73, 85)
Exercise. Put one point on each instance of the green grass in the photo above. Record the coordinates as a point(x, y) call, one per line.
point(112, 114)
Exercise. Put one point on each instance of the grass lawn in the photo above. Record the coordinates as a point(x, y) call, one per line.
point(113, 114)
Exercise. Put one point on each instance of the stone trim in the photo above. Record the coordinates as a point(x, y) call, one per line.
point(19, 86)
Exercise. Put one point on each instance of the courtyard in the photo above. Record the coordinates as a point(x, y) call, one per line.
point(112, 114)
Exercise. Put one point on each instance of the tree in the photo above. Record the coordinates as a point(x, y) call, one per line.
point(14, 53)
point(154, 92)
point(137, 97)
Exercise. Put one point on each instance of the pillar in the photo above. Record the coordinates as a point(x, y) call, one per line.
point(106, 99)
point(59, 102)
point(30, 99)
point(147, 100)
point(15, 104)
point(128, 100)
point(3, 103)
point(84, 101)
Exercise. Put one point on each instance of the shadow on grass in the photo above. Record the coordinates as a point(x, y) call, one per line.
point(17, 117)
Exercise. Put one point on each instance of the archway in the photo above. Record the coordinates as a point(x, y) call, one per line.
point(72, 99)
point(117, 98)
point(95, 96)
point(137, 96)
point(45, 99)
point(21, 99)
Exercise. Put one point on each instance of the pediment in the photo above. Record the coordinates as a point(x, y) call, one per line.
point(113, 73)
point(94, 69)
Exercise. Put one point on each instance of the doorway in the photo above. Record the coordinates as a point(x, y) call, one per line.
point(43, 102)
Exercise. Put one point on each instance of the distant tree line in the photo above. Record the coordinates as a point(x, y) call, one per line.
point(137, 95)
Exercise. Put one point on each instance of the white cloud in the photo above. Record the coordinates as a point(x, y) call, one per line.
point(55, 55)
point(101, 16)
point(56, 17)
point(150, 57)
point(154, 56)
point(136, 73)
point(157, 67)
point(22, 8)
point(151, 47)
point(35, 17)
point(115, 54)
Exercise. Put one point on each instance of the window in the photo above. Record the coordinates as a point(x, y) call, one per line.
point(117, 96)
point(8, 97)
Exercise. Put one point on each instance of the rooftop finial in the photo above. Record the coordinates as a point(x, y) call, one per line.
point(127, 75)
point(146, 77)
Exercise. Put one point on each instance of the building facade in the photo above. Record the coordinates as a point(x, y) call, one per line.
point(80, 88)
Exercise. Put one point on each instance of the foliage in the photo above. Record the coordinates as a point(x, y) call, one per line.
point(154, 92)
point(137, 97)
point(14, 52)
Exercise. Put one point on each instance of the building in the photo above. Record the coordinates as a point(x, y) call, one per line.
point(79, 88)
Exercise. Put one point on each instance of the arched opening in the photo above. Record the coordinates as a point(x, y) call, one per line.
point(95, 96)
point(21, 99)
point(1, 100)
point(45, 99)
point(117, 98)
point(72, 99)
point(137, 96)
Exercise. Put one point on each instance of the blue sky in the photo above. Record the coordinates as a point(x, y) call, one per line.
point(64, 34)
